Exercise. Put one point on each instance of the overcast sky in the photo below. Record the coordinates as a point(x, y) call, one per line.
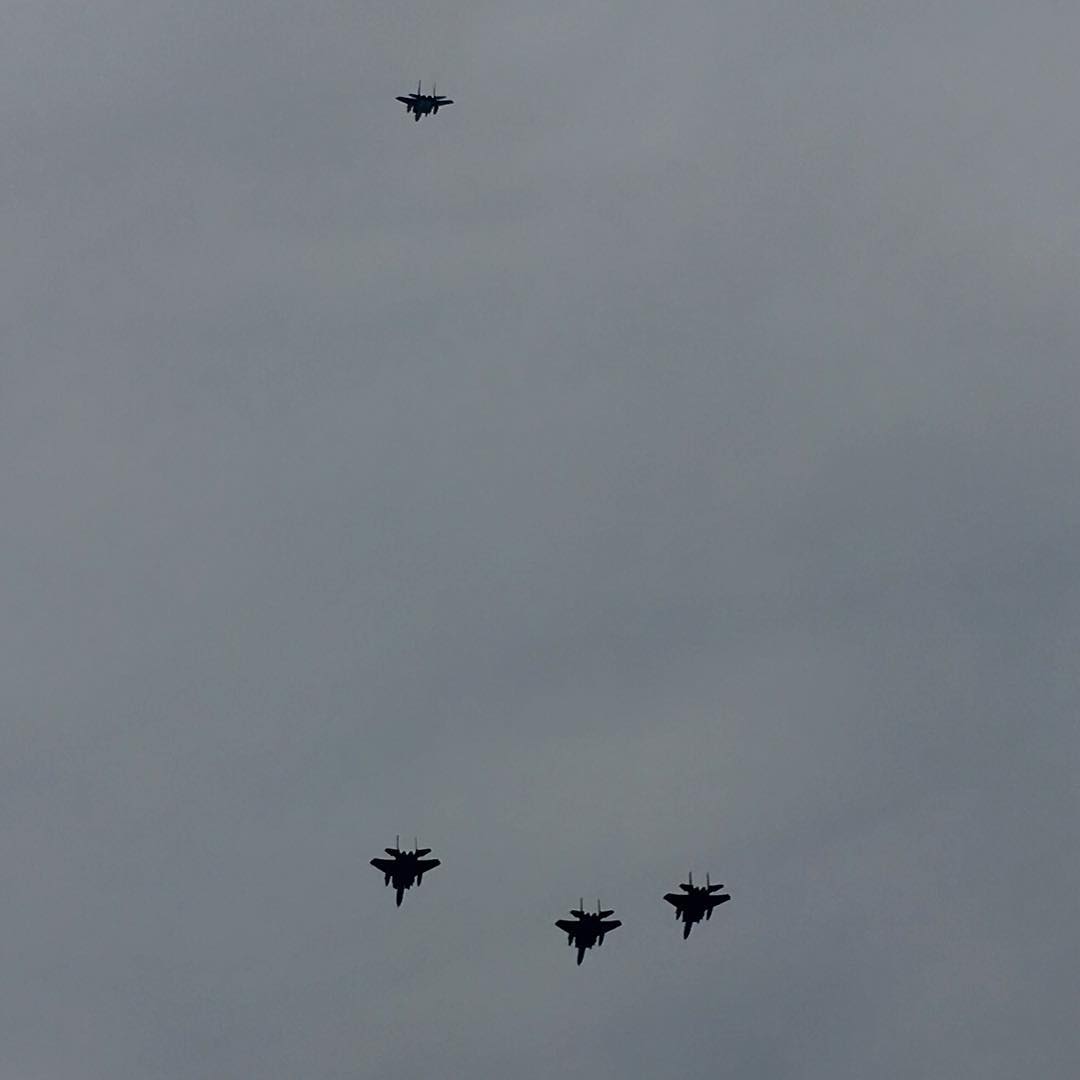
point(664, 459)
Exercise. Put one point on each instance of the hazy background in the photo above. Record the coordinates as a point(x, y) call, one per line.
point(666, 458)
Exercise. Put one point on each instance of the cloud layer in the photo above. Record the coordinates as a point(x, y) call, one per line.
point(664, 459)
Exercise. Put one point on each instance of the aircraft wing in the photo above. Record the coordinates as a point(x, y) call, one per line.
point(446, 101)
point(385, 865)
point(716, 901)
point(675, 899)
point(609, 924)
point(568, 926)
point(404, 100)
point(424, 865)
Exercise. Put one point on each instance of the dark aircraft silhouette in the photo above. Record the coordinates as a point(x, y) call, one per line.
point(696, 902)
point(589, 929)
point(404, 868)
point(421, 104)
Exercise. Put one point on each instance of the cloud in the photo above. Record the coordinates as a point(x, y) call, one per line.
point(663, 460)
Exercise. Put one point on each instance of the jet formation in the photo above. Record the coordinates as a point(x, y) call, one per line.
point(420, 104)
point(404, 868)
point(587, 928)
point(696, 902)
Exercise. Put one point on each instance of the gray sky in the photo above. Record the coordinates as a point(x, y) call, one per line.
point(666, 458)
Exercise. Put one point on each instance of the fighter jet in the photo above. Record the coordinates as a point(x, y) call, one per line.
point(404, 868)
point(696, 902)
point(588, 929)
point(420, 104)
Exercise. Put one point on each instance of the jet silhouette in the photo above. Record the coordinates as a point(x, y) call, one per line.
point(421, 104)
point(696, 902)
point(404, 868)
point(588, 929)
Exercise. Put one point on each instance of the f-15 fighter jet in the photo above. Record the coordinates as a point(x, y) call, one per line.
point(696, 902)
point(420, 104)
point(588, 928)
point(404, 868)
